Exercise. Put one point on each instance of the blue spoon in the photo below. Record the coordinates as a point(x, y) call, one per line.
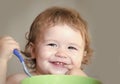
point(18, 54)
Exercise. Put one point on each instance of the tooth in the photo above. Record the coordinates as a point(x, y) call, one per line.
point(61, 63)
point(58, 63)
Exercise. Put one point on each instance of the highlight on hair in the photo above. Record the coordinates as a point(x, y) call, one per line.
point(54, 16)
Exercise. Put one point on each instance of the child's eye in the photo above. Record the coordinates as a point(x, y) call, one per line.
point(72, 48)
point(52, 44)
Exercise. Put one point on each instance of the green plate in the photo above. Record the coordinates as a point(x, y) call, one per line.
point(59, 79)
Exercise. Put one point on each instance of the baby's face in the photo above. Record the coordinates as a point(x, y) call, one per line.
point(61, 46)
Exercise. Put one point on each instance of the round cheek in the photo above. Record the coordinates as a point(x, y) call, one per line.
point(77, 59)
point(77, 62)
point(44, 53)
point(40, 51)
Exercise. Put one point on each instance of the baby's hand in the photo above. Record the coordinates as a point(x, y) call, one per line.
point(74, 71)
point(7, 45)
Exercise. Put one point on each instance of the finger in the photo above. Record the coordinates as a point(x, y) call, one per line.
point(6, 37)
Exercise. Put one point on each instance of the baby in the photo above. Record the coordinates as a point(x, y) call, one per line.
point(58, 43)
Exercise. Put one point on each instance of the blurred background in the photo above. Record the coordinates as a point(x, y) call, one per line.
point(103, 17)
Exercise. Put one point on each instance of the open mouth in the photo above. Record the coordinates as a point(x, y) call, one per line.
point(58, 64)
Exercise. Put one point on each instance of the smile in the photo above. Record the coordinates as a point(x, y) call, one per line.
point(58, 64)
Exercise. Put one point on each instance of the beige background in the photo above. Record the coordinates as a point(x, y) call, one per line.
point(103, 18)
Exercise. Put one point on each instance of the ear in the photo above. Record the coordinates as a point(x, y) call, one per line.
point(32, 50)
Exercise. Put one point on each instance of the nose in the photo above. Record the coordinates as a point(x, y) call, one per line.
point(61, 53)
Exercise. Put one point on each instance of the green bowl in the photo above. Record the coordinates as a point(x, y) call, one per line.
point(59, 79)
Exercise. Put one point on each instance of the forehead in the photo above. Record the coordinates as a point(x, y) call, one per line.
point(63, 33)
point(62, 29)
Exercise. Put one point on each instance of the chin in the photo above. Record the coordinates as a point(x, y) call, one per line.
point(58, 72)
